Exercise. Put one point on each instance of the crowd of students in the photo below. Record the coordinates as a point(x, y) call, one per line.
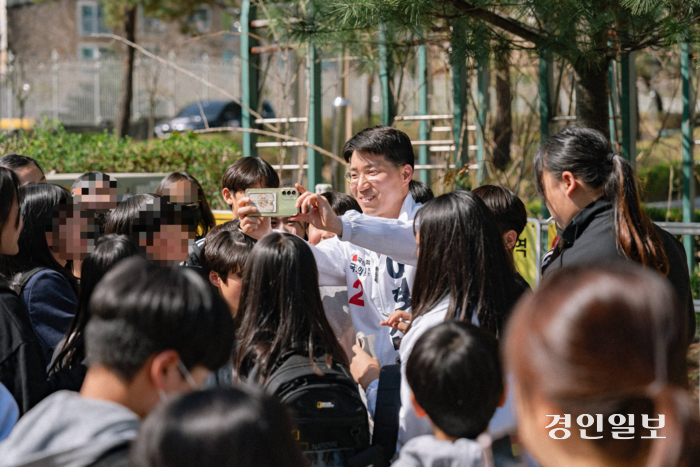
point(389, 326)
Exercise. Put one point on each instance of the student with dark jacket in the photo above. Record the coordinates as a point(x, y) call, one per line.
point(593, 196)
point(22, 364)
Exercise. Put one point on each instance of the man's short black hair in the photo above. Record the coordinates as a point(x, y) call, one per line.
point(420, 191)
point(382, 140)
point(246, 172)
point(341, 203)
point(508, 210)
point(226, 251)
point(140, 310)
point(454, 371)
point(17, 161)
point(93, 177)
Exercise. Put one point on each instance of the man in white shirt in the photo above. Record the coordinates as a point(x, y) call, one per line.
point(381, 167)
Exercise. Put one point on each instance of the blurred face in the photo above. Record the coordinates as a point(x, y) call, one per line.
point(11, 231)
point(29, 174)
point(378, 185)
point(96, 195)
point(316, 236)
point(182, 192)
point(230, 290)
point(293, 227)
point(169, 246)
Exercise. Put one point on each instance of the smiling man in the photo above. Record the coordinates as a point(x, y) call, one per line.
point(381, 166)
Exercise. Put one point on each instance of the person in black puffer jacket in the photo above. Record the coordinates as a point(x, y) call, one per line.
point(593, 196)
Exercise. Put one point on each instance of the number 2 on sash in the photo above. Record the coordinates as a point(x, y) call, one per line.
point(356, 299)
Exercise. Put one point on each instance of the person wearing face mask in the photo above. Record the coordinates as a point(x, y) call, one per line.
point(22, 360)
point(183, 188)
point(154, 333)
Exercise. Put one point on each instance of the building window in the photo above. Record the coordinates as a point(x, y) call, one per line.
point(202, 19)
point(95, 52)
point(91, 18)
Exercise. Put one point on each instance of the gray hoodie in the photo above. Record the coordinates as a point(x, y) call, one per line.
point(428, 451)
point(68, 430)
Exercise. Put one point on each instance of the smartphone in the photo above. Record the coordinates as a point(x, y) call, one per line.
point(273, 202)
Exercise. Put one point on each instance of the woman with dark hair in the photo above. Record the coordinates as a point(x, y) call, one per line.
point(183, 188)
point(232, 427)
point(110, 249)
point(47, 288)
point(280, 308)
point(593, 196)
point(599, 362)
point(121, 219)
point(22, 363)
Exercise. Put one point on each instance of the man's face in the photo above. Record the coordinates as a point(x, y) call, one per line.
point(380, 186)
point(29, 174)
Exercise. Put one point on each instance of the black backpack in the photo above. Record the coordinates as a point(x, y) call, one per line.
point(330, 418)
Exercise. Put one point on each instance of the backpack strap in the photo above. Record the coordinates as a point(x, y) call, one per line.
point(386, 416)
point(21, 280)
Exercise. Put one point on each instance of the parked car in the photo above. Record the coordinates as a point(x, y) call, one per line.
point(217, 114)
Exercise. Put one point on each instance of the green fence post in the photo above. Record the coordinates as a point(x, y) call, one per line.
point(423, 133)
point(688, 160)
point(315, 134)
point(628, 107)
point(612, 101)
point(460, 89)
point(249, 78)
point(483, 79)
point(385, 70)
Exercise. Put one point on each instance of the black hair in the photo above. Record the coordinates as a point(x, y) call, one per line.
point(9, 192)
point(139, 310)
point(341, 203)
point(246, 172)
point(420, 191)
point(225, 427)
point(38, 202)
point(205, 218)
point(281, 307)
point(109, 250)
point(508, 210)
point(226, 251)
point(461, 255)
point(454, 371)
point(382, 140)
point(17, 161)
point(587, 154)
point(93, 177)
point(121, 219)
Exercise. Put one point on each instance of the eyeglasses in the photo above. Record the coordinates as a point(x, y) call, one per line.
point(370, 176)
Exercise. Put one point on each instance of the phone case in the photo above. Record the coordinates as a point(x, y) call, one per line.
point(273, 202)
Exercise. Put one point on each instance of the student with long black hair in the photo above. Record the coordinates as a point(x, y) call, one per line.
point(593, 195)
point(183, 188)
point(280, 308)
point(22, 361)
point(121, 219)
point(47, 288)
point(70, 355)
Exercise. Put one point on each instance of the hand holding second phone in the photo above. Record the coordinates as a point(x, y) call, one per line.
point(317, 212)
point(364, 369)
point(254, 227)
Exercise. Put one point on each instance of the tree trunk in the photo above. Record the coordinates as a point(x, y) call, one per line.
point(127, 91)
point(502, 127)
point(592, 96)
point(368, 106)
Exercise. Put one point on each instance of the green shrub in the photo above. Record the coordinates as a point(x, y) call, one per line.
point(204, 157)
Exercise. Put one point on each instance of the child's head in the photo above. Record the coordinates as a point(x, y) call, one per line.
point(26, 168)
point(340, 203)
point(455, 374)
point(420, 191)
point(95, 191)
point(226, 252)
point(225, 427)
point(508, 211)
point(246, 172)
point(183, 188)
point(298, 228)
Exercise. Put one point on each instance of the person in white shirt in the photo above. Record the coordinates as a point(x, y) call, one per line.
point(381, 167)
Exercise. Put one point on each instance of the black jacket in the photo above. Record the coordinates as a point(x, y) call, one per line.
point(589, 239)
point(22, 362)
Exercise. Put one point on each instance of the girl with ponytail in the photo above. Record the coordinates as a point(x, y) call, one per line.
point(593, 196)
point(592, 343)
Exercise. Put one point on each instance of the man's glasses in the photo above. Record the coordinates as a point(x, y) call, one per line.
point(370, 176)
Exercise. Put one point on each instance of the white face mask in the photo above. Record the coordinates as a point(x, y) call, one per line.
point(188, 377)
